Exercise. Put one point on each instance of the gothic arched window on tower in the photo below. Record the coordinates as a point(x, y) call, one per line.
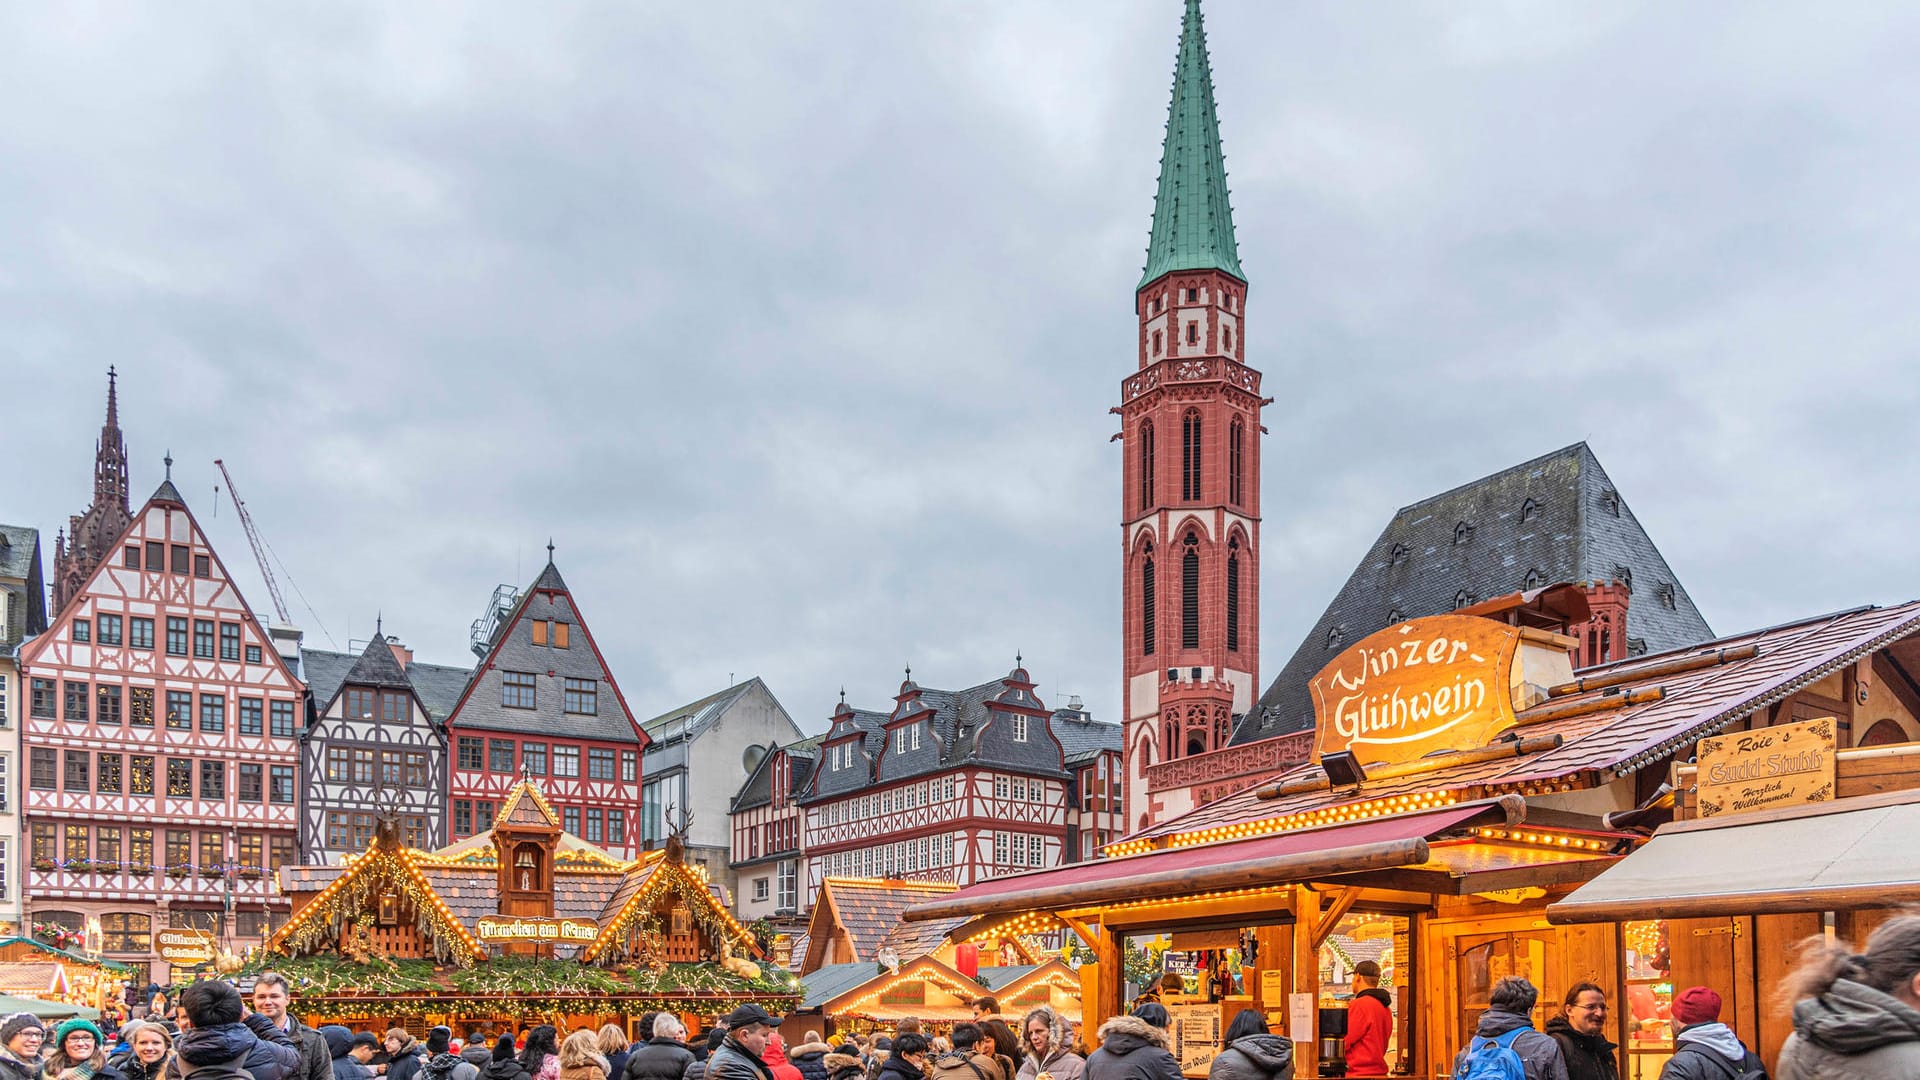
point(1190, 594)
point(1233, 595)
point(1147, 635)
point(1235, 473)
point(1146, 465)
point(1190, 455)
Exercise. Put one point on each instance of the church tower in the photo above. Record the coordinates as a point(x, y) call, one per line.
point(89, 535)
point(1191, 433)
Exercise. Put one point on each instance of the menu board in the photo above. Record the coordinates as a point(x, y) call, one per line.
point(1195, 1036)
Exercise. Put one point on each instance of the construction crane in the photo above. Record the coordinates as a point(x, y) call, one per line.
point(259, 547)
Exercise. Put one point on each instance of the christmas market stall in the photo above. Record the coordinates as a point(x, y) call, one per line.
point(33, 968)
point(1465, 781)
point(524, 922)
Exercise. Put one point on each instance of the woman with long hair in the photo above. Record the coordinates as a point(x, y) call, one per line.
point(541, 1056)
point(1006, 1046)
point(1857, 1015)
point(580, 1056)
point(149, 1051)
point(1249, 1051)
point(79, 1053)
point(1048, 1048)
point(612, 1043)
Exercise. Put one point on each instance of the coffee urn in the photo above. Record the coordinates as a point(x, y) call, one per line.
point(1332, 1047)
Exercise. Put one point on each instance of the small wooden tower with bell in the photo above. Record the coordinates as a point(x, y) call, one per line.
point(525, 836)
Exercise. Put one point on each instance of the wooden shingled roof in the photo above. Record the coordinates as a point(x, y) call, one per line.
point(862, 913)
point(1647, 709)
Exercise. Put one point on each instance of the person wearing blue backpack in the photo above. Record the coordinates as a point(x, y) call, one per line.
point(1505, 1045)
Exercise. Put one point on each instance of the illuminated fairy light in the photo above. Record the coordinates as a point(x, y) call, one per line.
point(1544, 839)
point(1384, 806)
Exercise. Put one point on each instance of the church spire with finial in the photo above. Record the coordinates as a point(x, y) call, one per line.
point(1192, 218)
point(90, 535)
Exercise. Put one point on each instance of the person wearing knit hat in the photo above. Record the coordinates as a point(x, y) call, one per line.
point(20, 1037)
point(1703, 1047)
point(79, 1054)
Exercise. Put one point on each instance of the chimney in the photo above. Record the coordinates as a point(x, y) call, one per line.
point(286, 642)
point(400, 652)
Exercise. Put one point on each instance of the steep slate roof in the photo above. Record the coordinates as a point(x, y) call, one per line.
point(377, 666)
point(1619, 741)
point(1081, 736)
point(1579, 528)
point(18, 552)
point(479, 706)
point(829, 782)
point(1192, 218)
point(758, 788)
point(437, 686)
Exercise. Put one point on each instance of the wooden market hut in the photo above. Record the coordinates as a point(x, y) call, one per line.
point(31, 968)
point(1460, 821)
point(523, 921)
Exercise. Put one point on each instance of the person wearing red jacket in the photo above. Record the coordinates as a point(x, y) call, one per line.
point(776, 1059)
point(1369, 1022)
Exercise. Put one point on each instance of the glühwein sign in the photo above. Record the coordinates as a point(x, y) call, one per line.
point(186, 947)
point(1783, 765)
point(1438, 683)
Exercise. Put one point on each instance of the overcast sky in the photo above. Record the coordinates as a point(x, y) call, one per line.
point(796, 324)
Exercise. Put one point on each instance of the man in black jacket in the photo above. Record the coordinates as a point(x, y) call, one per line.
point(749, 1029)
point(270, 998)
point(663, 1057)
point(219, 1036)
point(1581, 1031)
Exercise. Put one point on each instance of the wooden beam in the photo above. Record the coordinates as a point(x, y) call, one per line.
point(1534, 744)
point(1086, 932)
point(1163, 884)
point(1541, 714)
point(1110, 988)
point(1655, 670)
point(1342, 903)
point(1306, 973)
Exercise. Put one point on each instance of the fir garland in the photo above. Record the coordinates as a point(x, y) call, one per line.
point(325, 923)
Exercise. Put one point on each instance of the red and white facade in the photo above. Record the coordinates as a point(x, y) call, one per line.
point(161, 748)
point(543, 706)
point(765, 853)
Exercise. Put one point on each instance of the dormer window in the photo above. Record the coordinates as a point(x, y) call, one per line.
point(1610, 502)
point(1529, 510)
point(1398, 555)
point(1624, 575)
point(1335, 637)
point(1668, 596)
point(1396, 616)
point(1462, 533)
point(1019, 729)
point(1461, 599)
point(1533, 579)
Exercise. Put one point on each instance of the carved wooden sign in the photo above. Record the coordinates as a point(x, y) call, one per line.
point(534, 929)
point(1783, 765)
point(1438, 683)
point(185, 947)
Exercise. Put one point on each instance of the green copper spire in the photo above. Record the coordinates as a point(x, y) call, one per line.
point(1192, 221)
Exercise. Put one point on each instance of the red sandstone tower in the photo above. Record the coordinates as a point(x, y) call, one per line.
point(1191, 432)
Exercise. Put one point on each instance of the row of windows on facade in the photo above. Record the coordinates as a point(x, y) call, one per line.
point(1189, 597)
point(1191, 457)
point(887, 860)
point(184, 559)
point(542, 759)
point(395, 768)
point(519, 690)
point(914, 796)
point(113, 849)
point(594, 824)
point(210, 638)
point(132, 931)
point(348, 831)
point(789, 875)
point(86, 772)
point(767, 838)
point(1193, 337)
point(906, 739)
point(110, 704)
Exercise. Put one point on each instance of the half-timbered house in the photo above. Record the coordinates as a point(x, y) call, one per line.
point(162, 745)
point(377, 742)
point(543, 704)
point(953, 786)
point(23, 614)
point(766, 819)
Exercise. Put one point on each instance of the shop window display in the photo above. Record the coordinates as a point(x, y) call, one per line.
point(1649, 1019)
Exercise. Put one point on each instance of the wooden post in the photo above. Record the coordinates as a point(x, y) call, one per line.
point(1110, 987)
point(1306, 976)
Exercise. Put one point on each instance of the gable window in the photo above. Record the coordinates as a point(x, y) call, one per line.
point(580, 696)
point(517, 689)
point(251, 716)
point(176, 636)
point(1235, 474)
point(1190, 455)
point(203, 639)
point(1019, 728)
point(1146, 465)
point(1233, 595)
point(1190, 594)
point(130, 556)
point(156, 556)
point(253, 654)
point(202, 566)
point(393, 707)
point(1462, 533)
point(140, 632)
point(359, 703)
point(229, 641)
point(180, 560)
point(1529, 510)
point(82, 631)
point(109, 627)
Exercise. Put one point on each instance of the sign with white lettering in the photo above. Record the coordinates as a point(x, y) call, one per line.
point(1783, 765)
point(186, 947)
point(534, 929)
point(1439, 683)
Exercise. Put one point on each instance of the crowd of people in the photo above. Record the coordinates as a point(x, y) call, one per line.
point(1855, 1017)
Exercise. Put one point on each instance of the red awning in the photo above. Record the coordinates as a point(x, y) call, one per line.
point(1281, 859)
